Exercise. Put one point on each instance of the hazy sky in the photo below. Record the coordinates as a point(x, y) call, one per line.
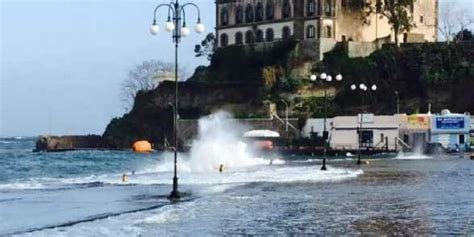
point(62, 62)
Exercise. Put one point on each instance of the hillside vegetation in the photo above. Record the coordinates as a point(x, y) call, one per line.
point(245, 80)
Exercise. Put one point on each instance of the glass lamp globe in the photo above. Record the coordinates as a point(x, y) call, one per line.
point(185, 31)
point(323, 76)
point(339, 77)
point(200, 28)
point(313, 77)
point(374, 87)
point(329, 78)
point(361, 86)
point(169, 26)
point(353, 87)
point(154, 29)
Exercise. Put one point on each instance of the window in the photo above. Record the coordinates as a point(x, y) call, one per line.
point(270, 10)
point(259, 12)
point(343, 3)
point(239, 15)
point(239, 38)
point(259, 36)
point(311, 9)
point(286, 10)
point(310, 32)
point(367, 138)
point(224, 40)
point(421, 19)
point(328, 32)
point(249, 13)
point(286, 33)
point(224, 16)
point(249, 37)
point(406, 139)
point(269, 35)
point(328, 8)
point(462, 139)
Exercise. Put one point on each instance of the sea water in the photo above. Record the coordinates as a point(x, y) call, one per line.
point(81, 193)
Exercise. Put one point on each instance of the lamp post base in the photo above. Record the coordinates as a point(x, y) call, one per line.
point(174, 195)
point(323, 168)
point(359, 162)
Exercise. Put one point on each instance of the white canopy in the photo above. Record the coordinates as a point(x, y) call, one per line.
point(261, 133)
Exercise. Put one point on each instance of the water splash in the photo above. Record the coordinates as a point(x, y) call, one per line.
point(219, 143)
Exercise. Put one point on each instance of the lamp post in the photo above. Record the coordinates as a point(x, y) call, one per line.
point(176, 15)
point(325, 78)
point(363, 88)
point(398, 102)
point(286, 119)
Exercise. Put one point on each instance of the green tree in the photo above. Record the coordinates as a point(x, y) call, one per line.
point(207, 47)
point(397, 12)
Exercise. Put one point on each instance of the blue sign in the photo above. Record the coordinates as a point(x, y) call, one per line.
point(450, 122)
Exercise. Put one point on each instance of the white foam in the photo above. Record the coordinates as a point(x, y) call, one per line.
point(262, 173)
point(412, 156)
point(25, 185)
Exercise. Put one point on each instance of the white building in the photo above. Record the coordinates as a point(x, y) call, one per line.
point(315, 126)
point(378, 132)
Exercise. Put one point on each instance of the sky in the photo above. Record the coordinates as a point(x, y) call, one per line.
point(62, 62)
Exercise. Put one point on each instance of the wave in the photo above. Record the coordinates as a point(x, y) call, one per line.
point(241, 175)
point(412, 156)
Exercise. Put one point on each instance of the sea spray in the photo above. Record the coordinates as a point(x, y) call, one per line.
point(417, 154)
point(220, 143)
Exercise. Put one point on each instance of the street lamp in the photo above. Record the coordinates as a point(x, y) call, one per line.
point(176, 15)
point(363, 88)
point(398, 102)
point(325, 78)
point(286, 120)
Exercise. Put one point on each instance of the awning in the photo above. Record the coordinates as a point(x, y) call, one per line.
point(261, 133)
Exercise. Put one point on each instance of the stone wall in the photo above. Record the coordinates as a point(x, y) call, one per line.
point(360, 49)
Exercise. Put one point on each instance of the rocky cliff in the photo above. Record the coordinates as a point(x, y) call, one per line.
point(152, 116)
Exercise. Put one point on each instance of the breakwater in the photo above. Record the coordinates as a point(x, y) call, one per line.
point(67, 143)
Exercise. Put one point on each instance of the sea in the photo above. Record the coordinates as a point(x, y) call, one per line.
point(81, 193)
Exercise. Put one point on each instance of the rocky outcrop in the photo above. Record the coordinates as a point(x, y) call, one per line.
point(151, 118)
point(65, 143)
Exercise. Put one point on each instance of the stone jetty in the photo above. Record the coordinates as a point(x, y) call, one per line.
point(67, 143)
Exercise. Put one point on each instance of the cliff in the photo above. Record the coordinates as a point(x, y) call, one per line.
point(152, 117)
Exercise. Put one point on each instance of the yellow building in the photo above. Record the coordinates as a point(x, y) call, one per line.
point(321, 22)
